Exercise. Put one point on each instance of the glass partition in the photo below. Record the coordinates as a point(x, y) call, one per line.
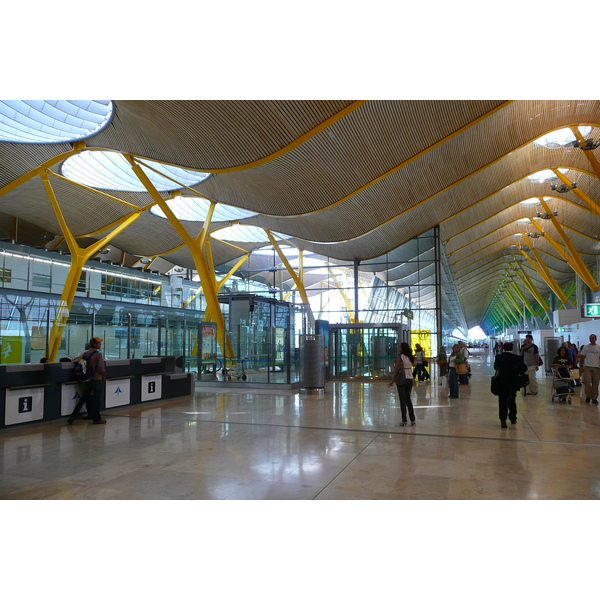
point(363, 351)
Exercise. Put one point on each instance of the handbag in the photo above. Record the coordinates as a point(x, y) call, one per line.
point(400, 379)
point(441, 362)
point(461, 369)
point(523, 380)
point(495, 385)
point(425, 363)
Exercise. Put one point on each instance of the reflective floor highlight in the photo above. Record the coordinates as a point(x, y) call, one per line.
point(243, 443)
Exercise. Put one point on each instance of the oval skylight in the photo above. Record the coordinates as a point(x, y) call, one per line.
point(287, 250)
point(190, 208)
point(545, 176)
point(111, 171)
point(561, 138)
point(244, 233)
point(534, 201)
point(51, 121)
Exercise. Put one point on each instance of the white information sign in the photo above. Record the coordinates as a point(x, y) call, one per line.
point(151, 387)
point(24, 405)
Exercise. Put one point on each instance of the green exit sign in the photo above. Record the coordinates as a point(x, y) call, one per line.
point(592, 310)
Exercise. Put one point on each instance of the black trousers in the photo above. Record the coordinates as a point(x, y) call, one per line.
point(421, 372)
point(92, 397)
point(80, 402)
point(405, 401)
point(507, 404)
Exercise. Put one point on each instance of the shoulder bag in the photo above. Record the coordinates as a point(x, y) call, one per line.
point(495, 385)
point(400, 379)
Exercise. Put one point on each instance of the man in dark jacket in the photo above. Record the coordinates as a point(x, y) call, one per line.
point(509, 367)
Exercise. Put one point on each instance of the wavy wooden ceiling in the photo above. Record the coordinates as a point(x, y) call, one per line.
point(349, 180)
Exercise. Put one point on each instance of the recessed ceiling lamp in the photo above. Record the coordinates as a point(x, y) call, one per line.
point(111, 171)
point(52, 121)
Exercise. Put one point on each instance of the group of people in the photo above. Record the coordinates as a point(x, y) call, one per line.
point(510, 366)
point(454, 366)
point(512, 371)
point(93, 389)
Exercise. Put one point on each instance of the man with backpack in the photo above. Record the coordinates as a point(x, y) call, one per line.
point(93, 376)
point(531, 357)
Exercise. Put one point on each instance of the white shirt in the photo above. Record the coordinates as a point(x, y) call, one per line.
point(591, 352)
point(407, 366)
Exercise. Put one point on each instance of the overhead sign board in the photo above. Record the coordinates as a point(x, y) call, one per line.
point(408, 313)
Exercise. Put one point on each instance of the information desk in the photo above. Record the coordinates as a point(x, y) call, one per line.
point(47, 391)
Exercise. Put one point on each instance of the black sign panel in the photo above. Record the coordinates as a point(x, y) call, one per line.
point(25, 404)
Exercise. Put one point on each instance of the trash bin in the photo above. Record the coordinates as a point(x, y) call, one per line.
point(312, 364)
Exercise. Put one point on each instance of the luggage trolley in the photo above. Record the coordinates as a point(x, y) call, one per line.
point(235, 368)
point(561, 385)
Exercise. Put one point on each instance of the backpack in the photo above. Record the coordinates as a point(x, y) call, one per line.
point(83, 368)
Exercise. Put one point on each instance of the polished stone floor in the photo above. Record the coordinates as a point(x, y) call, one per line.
point(242, 444)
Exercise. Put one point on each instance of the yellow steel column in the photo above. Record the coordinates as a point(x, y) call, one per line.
point(508, 310)
point(578, 265)
point(589, 152)
point(299, 283)
point(207, 279)
point(515, 304)
point(79, 257)
point(543, 272)
point(342, 293)
point(233, 269)
point(522, 297)
point(530, 286)
point(578, 192)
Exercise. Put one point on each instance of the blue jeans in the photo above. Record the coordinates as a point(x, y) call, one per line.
point(422, 373)
point(453, 382)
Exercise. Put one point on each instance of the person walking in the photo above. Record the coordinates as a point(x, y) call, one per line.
point(405, 361)
point(456, 358)
point(531, 357)
point(589, 360)
point(508, 366)
point(93, 390)
point(463, 379)
point(442, 361)
point(422, 374)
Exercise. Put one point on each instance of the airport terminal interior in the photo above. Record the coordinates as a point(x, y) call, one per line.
point(347, 444)
point(271, 255)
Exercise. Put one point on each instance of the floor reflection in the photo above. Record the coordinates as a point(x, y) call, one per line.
point(345, 444)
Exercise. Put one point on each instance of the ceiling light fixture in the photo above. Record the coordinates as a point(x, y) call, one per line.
point(562, 188)
point(590, 144)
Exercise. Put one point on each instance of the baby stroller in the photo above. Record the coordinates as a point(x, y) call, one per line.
point(561, 385)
